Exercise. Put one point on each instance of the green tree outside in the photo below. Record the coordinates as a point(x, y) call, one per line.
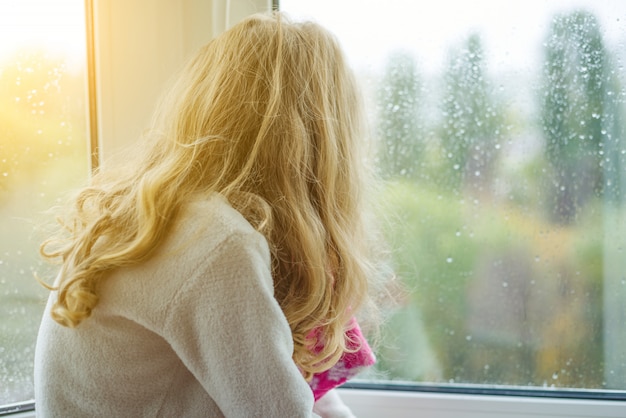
point(400, 129)
point(573, 112)
point(472, 123)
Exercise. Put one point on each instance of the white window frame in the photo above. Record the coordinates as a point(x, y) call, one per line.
point(400, 404)
point(139, 46)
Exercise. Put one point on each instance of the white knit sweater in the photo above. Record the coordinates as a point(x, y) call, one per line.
point(193, 332)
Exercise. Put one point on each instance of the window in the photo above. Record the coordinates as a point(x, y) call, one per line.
point(162, 34)
point(500, 130)
point(43, 154)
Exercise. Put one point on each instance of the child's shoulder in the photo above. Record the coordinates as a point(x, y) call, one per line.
point(214, 215)
point(206, 223)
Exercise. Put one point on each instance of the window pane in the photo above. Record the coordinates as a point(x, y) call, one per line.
point(43, 154)
point(500, 130)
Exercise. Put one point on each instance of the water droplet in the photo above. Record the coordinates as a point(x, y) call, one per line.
point(537, 258)
point(555, 376)
point(449, 260)
point(505, 284)
point(468, 337)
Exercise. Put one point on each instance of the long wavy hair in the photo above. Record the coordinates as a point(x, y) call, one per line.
point(268, 115)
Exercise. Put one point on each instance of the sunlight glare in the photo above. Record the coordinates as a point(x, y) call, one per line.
point(58, 27)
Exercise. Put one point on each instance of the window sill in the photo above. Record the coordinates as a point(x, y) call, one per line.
point(376, 403)
point(18, 410)
point(366, 403)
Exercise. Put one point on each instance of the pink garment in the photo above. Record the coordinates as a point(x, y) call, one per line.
point(348, 366)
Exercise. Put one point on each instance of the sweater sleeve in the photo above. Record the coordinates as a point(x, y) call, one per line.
point(229, 331)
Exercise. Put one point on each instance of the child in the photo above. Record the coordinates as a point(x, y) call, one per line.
point(218, 271)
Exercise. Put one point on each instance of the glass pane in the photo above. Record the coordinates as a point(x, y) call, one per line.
point(43, 154)
point(499, 127)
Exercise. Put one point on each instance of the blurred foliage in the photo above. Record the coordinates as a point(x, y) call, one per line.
point(43, 154)
point(505, 262)
point(499, 296)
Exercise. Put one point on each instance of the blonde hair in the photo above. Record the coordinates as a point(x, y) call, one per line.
point(268, 115)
